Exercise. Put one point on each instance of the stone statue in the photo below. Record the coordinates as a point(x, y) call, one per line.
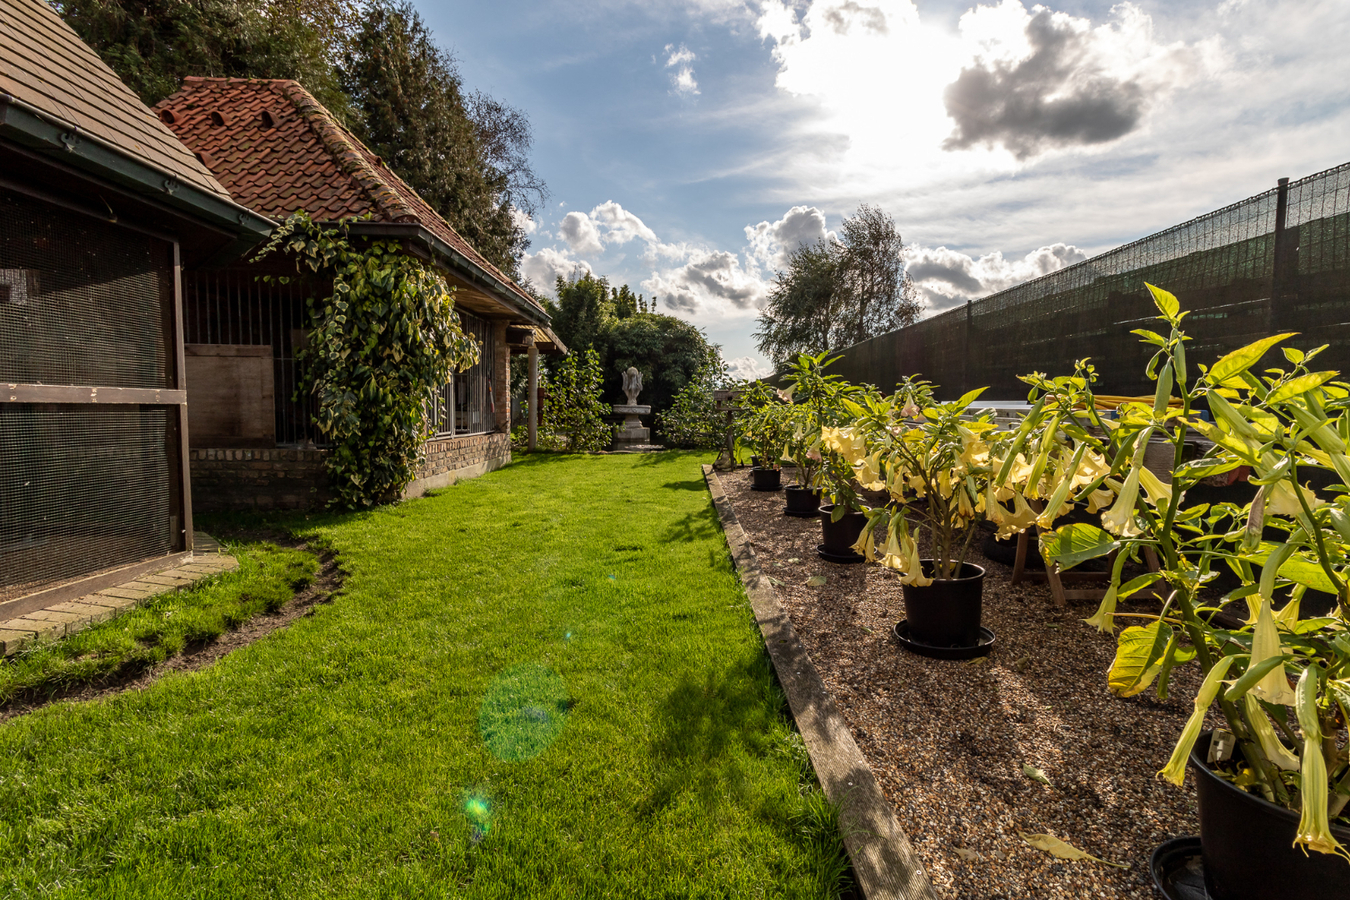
point(632, 384)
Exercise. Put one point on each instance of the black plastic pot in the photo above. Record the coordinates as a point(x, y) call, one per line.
point(947, 612)
point(839, 537)
point(766, 479)
point(1247, 844)
point(803, 502)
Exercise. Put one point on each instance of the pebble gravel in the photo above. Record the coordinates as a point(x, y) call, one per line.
point(948, 739)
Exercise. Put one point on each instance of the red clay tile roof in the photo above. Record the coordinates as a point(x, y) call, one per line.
point(278, 151)
point(44, 64)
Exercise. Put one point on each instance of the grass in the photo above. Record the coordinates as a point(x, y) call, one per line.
point(267, 577)
point(545, 682)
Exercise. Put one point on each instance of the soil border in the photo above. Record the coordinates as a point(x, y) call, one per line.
point(324, 588)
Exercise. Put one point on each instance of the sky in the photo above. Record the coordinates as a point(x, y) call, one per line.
point(690, 145)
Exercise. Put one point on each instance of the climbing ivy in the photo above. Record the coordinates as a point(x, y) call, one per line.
point(385, 337)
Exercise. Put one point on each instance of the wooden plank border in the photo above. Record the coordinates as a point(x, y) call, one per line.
point(885, 865)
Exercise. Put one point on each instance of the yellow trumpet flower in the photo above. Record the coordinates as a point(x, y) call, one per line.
point(1119, 519)
point(914, 570)
point(895, 557)
point(1314, 826)
point(1274, 687)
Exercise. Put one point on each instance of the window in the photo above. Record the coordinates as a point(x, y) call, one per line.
point(465, 404)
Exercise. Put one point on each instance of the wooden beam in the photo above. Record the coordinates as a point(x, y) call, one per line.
point(70, 393)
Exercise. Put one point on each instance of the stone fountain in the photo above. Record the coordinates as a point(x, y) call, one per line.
point(631, 433)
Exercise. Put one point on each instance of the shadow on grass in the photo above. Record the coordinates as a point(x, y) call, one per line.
point(703, 729)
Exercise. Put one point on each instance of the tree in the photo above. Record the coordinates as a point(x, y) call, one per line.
point(413, 113)
point(669, 352)
point(839, 291)
point(153, 45)
point(582, 310)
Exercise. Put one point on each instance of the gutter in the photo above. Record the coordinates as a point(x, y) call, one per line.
point(31, 127)
point(461, 264)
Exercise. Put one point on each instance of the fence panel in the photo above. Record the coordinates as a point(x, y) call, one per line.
point(1278, 261)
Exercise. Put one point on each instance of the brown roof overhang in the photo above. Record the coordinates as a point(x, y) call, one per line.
point(66, 143)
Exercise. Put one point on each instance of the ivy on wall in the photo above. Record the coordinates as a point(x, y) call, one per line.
point(384, 338)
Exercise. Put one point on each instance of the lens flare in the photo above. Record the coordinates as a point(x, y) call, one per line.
point(478, 810)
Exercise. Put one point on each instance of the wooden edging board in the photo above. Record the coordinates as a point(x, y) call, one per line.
point(884, 862)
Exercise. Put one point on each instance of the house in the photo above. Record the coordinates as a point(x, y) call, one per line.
point(101, 207)
point(253, 441)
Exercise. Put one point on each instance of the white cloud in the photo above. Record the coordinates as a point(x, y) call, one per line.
point(543, 269)
point(522, 220)
point(771, 242)
point(682, 79)
point(946, 278)
point(621, 226)
point(712, 281)
point(748, 368)
point(580, 232)
point(896, 101)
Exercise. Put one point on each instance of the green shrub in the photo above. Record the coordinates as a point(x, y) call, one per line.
point(573, 416)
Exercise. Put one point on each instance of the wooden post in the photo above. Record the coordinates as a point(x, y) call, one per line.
point(501, 378)
point(533, 394)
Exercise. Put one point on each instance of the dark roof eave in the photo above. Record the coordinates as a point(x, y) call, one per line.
point(41, 131)
point(457, 261)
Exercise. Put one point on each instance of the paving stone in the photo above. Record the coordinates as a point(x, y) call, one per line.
point(128, 591)
point(90, 612)
point(103, 598)
point(12, 642)
point(166, 579)
point(41, 628)
point(54, 615)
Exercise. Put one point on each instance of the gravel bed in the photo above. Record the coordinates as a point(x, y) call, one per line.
point(948, 739)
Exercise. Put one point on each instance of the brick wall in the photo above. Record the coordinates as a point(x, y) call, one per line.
point(446, 460)
point(248, 480)
point(245, 480)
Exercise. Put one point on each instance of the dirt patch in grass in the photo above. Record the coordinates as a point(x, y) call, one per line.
point(948, 739)
point(325, 585)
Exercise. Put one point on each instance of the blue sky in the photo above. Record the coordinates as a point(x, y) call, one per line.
point(688, 146)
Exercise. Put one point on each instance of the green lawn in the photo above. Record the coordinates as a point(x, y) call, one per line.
point(542, 683)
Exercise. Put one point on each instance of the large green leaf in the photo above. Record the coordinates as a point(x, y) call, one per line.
point(1139, 653)
point(1242, 359)
point(1300, 385)
point(1166, 301)
point(1073, 544)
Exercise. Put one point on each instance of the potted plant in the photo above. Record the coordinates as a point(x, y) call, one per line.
point(1274, 780)
point(765, 429)
point(815, 397)
point(934, 461)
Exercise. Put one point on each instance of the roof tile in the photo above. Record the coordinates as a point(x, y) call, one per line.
point(44, 64)
point(305, 160)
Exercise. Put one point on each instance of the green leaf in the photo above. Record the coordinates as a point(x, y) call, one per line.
point(1073, 544)
point(1165, 300)
point(1253, 675)
point(969, 397)
point(1135, 585)
point(1300, 385)
point(1138, 654)
point(817, 580)
point(1035, 774)
point(1242, 359)
point(1150, 337)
